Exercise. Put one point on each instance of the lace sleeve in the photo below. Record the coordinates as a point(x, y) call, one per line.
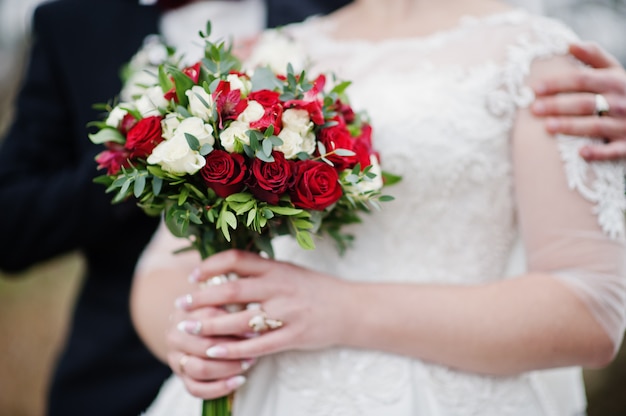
point(571, 212)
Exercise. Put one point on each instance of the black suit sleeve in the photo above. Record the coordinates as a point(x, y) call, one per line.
point(49, 204)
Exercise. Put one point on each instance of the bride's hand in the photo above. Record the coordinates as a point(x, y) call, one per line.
point(568, 101)
point(203, 377)
point(300, 308)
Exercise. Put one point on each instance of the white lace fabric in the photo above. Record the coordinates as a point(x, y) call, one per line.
point(444, 110)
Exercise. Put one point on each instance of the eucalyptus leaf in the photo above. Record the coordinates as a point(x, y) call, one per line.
point(140, 185)
point(107, 135)
point(192, 141)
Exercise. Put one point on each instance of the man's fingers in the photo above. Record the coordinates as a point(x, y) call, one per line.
point(593, 55)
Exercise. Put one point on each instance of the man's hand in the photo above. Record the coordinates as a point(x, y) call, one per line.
point(568, 101)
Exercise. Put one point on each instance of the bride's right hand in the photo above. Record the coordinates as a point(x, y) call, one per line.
point(203, 377)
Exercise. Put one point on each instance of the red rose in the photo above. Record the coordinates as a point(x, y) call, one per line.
point(224, 172)
point(363, 146)
point(128, 122)
point(316, 187)
point(270, 180)
point(144, 136)
point(113, 158)
point(338, 137)
point(266, 98)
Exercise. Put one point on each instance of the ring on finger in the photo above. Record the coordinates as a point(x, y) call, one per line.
point(182, 362)
point(261, 322)
point(602, 107)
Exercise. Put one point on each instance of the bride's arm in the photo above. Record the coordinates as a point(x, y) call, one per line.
point(568, 310)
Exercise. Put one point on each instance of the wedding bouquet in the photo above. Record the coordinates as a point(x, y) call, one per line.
point(234, 157)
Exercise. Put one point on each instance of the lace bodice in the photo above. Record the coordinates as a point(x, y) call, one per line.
point(443, 109)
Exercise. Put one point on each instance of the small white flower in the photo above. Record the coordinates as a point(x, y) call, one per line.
point(116, 116)
point(239, 83)
point(253, 112)
point(235, 131)
point(197, 107)
point(297, 120)
point(169, 124)
point(151, 101)
point(175, 156)
point(198, 128)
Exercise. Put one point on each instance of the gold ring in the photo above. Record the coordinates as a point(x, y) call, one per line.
point(182, 362)
point(261, 323)
point(602, 106)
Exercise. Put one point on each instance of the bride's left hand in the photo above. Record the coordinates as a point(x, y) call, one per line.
point(310, 306)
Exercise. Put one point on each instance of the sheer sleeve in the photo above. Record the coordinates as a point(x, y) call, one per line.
point(571, 214)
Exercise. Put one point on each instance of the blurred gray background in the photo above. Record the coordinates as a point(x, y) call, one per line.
point(34, 306)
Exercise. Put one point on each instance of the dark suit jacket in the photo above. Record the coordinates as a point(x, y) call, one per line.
point(50, 206)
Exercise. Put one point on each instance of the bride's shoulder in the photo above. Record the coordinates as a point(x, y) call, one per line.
point(532, 30)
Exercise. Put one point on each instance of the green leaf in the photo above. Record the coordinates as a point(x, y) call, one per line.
point(284, 210)
point(157, 185)
point(192, 141)
point(206, 149)
point(251, 216)
point(240, 197)
point(341, 87)
point(265, 158)
point(245, 207)
point(182, 197)
point(390, 179)
point(344, 152)
point(264, 79)
point(140, 185)
point(107, 135)
point(230, 219)
point(267, 147)
point(164, 80)
point(386, 198)
point(276, 141)
point(305, 240)
point(182, 83)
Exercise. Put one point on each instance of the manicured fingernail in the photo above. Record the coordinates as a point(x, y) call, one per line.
point(235, 382)
point(246, 364)
point(538, 107)
point(190, 327)
point(217, 351)
point(183, 302)
point(194, 276)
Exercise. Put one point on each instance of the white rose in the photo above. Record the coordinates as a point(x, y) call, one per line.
point(196, 106)
point(308, 143)
point(239, 83)
point(169, 124)
point(175, 156)
point(297, 120)
point(253, 112)
point(115, 117)
point(197, 128)
point(236, 131)
point(292, 143)
point(374, 184)
point(149, 103)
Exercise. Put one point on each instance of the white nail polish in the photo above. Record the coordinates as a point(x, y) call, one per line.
point(217, 351)
point(235, 382)
point(246, 364)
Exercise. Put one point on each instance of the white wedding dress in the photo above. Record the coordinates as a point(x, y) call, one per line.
point(443, 109)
